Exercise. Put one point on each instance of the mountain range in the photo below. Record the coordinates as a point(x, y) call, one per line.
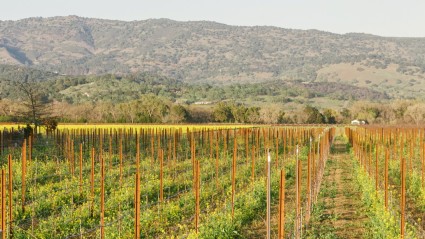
point(216, 53)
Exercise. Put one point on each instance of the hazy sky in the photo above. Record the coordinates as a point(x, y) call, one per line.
point(379, 17)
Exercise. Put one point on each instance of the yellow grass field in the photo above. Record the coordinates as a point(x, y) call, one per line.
point(135, 126)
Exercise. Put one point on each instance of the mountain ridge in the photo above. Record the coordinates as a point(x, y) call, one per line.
point(204, 51)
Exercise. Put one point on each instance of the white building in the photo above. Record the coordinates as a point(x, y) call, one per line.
point(358, 122)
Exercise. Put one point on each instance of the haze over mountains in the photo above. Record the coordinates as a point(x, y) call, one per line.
point(214, 52)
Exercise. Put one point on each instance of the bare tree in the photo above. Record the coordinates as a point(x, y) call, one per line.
point(36, 106)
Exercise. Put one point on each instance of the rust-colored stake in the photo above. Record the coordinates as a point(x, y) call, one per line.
point(138, 154)
point(92, 182)
point(161, 175)
point(102, 197)
point(308, 186)
point(121, 157)
point(376, 167)
point(225, 140)
point(246, 135)
point(175, 146)
point(72, 158)
point(30, 148)
point(253, 164)
point(10, 197)
point(277, 152)
point(169, 152)
point(411, 155)
point(298, 196)
point(423, 164)
point(193, 157)
point(281, 229)
point(268, 196)
point(235, 150)
point(217, 163)
point(210, 136)
point(3, 204)
point(369, 165)
point(403, 196)
point(110, 151)
point(198, 198)
point(137, 207)
point(152, 147)
point(386, 178)
point(314, 172)
point(24, 171)
point(81, 168)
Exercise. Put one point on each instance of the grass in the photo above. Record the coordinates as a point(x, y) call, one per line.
point(338, 212)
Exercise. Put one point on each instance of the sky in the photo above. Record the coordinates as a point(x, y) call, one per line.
point(400, 18)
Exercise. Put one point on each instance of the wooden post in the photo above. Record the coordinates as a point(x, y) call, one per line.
point(369, 164)
point(169, 151)
point(403, 196)
point(211, 142)
point(225, 141)
point(386, 178)
point(193, 157)
point(1, 143)
point(72, 158)
point(137, 207)
point(152, 146)
point(423, 163)
point(119, 142)
point(121, 157)
point(10, 197)
point(81, 168)
point(217, 163)
point(92, 182)
point(110, 150)
point(411, 154)
point(24, 171)
point(314, 176)
point(197, 195)
point(277, 152)
point(176, 134)
point(281, 227)
point(195, 188)
point(252, 164)
point(245, 133)
point(308, 184)
point(3, 204)
point(234, 178)
point(161, 175)
point(318, 168)
point(297, 196)
point(138, 154)
point(102, 197)
point(269, 160)
point(376, 167)
point(30, 148)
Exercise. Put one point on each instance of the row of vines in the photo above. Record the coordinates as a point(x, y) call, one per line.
point(157, 182)
point(392, 161)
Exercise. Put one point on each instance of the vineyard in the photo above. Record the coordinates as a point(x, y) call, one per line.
point(205, 181)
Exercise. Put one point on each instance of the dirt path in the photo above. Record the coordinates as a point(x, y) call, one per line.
point(339, 211)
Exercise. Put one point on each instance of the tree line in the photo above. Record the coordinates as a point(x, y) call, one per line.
point(154, 109)
point(162, 100)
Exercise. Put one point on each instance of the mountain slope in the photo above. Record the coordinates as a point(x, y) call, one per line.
point(206, 51)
